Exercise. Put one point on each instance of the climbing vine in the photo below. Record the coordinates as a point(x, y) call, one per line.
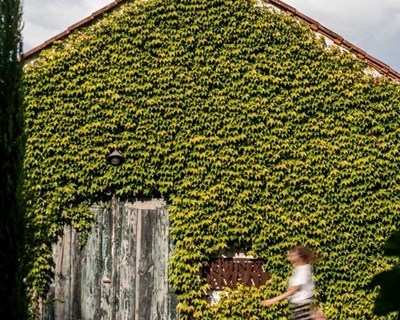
point(256, 132)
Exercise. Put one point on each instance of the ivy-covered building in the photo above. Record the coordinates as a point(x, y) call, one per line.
point(246, 127)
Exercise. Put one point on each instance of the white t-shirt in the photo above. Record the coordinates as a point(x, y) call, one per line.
point(302, 276)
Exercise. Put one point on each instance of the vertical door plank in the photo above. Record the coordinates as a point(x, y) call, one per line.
point(91, 269)
point(160, 259)
point(62, 273)
point(126, 282)
point(145, 271)
point(115, 244)
point(106, 262)
point(172, 296)
point(75, 277)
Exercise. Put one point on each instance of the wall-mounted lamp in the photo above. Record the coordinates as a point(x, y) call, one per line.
point(115, 158)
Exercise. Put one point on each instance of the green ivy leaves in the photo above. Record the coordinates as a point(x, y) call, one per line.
point(255, 132)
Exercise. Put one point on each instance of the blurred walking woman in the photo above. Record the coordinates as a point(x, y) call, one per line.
point(300, 286)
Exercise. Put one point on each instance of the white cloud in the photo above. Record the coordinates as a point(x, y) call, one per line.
point(44, 19)
point(373, 26)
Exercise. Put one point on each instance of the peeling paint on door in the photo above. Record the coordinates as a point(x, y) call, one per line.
point(121, 273)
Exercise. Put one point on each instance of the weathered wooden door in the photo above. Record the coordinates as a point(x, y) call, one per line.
point(121, 273)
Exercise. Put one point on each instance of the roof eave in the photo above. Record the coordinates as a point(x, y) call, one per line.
point(31, 53)
point(381, 67)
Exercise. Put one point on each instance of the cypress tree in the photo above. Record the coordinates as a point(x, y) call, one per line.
point(11, 155)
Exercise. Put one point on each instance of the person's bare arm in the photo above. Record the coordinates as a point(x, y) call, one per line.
point(291, 291)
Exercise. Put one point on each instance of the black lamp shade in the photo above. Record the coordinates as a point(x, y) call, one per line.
point(115, 158)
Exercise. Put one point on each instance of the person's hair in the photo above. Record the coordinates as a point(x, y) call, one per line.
point(305, 254)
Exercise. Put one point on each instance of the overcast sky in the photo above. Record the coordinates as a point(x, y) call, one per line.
point(372, 25)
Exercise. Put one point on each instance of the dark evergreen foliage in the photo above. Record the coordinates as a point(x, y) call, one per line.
point(11, 153)
point(388, 299)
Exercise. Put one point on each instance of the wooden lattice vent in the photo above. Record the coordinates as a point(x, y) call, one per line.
point(229, 272)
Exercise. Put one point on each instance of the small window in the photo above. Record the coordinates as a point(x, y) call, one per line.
point(229, 272)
